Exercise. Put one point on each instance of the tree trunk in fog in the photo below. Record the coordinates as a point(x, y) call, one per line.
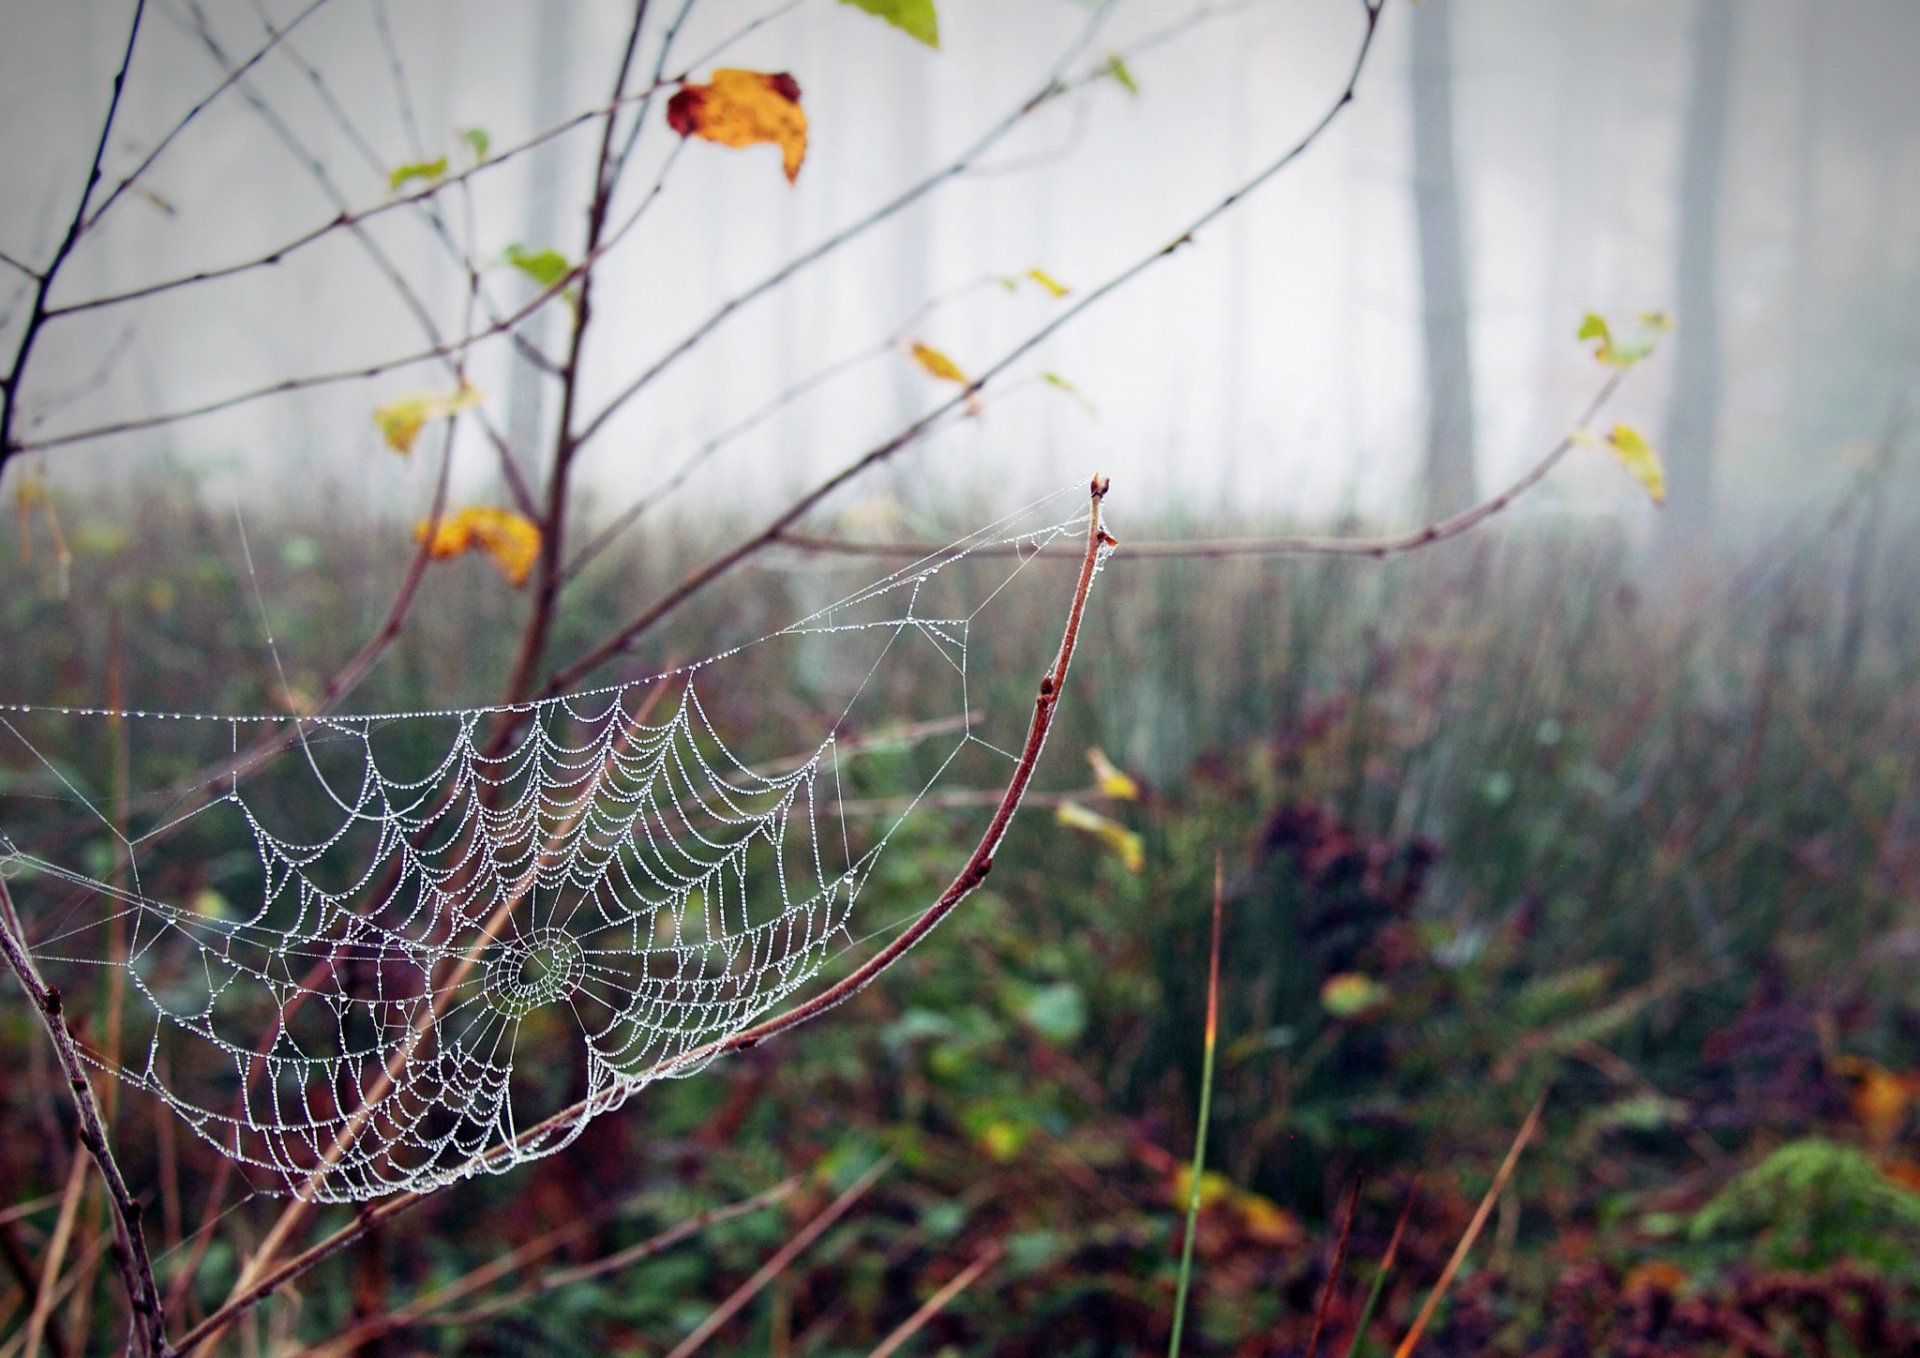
point(526, 386)
point(1447, 482)
point(1694, 412)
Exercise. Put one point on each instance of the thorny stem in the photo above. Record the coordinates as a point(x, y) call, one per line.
point(970, 876)
point(131, 1257)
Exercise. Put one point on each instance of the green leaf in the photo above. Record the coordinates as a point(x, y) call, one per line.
point(428, 170)
point(477, 141)
point(916, 18)
point(545, 267)
point(1617, 354)
point(1116, 70)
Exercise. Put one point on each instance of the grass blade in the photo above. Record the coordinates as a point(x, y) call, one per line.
point(1206, 1109)
point(1384, 1272)
point(1494, 1190)
point(1333, 1273)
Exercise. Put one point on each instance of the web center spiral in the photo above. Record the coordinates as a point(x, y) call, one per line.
point(543, 967)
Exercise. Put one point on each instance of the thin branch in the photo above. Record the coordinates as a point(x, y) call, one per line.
point(13, 263)
point(37, 317)
point(553, 523)
point(132, 1259)
point(429, 1308)
point(1049, 91)
point(1377, 547)
point(232, 78)
point(624, 636)
point(632, 514)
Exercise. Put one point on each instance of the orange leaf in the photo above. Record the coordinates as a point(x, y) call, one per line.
point(741, 108)
point(1655, 1275)
point(1880, 1098)
point(511, 540)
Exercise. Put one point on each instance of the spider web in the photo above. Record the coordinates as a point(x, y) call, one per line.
point(386, 957)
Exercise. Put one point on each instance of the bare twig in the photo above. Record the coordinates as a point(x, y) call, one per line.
point(227, 82)
point(430, 1308)
point(938, 1302)
point(625, 635)
point(37, 315)
point(136, 1266)
point(785, 1255)
point(553, 524)
point(1379, 548)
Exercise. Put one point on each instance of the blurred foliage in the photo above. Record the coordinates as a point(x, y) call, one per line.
point(1503, 817)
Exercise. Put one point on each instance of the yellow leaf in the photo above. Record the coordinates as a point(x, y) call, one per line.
point(1351, 994)
point(740, 108)
point(1214, 1186)
point(937, 363)
point(511, 540)
point(1111, 780)
point(1047, 281)
point(1635, 454)
point(1127, 843)
point(1266, 1220)
point(402, 418)
point(1002, 1140)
